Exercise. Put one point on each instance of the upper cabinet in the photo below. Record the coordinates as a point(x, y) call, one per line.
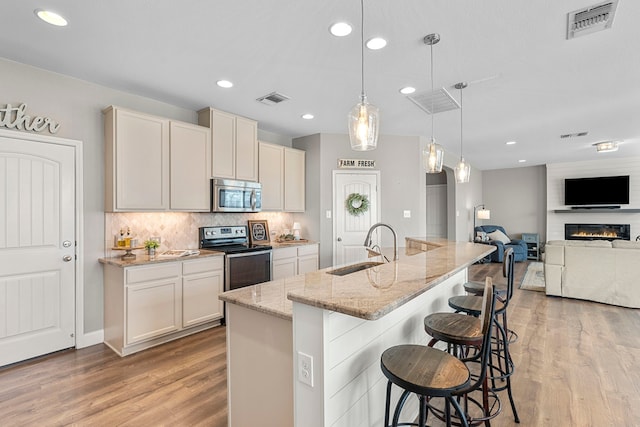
point(190, 163)
point(282, 175)
point(154, 164)
point(294, 180)
point(234, 144)
point(136, 161)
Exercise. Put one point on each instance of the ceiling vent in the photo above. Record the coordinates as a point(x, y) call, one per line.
point(573, 135)
point(440, 99)
point(591, 19)
point(273, 98)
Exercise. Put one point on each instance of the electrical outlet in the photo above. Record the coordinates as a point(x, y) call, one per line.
point(407, 214)
point(328, 214)
point(305, 368)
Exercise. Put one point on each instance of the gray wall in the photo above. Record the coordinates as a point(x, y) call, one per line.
point(517, 199)
point(401, 182)
point(77, 106)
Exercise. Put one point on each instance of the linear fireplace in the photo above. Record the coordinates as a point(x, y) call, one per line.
point(597, 231)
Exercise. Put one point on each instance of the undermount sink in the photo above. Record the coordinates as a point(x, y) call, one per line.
point(343, 271)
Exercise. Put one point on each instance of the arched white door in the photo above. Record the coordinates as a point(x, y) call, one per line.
point(349, 231)
point(37, 248)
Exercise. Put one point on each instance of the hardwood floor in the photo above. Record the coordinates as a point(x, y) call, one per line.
point(577, 364)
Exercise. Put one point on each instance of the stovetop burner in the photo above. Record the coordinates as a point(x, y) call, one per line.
point(227, 239)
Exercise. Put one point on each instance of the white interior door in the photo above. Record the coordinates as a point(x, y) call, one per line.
point(37, 248)
point(437, 210)
point(349, 231)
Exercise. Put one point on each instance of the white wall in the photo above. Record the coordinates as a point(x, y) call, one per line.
point(557, 172)
point(517, 199)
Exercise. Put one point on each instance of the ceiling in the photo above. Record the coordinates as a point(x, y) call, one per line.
point(527, 82)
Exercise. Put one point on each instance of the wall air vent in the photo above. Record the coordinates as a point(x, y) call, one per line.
point(440, 99)
point(273, 98)
point(591, 19)
point(573, 135)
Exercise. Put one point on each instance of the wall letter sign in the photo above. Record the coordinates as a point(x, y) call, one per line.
point(15, 118)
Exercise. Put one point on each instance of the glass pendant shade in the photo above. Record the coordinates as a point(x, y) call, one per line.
point(463, 171)
point(364, 121)
point(433, 157)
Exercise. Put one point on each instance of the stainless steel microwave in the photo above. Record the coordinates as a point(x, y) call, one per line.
point(235, 196)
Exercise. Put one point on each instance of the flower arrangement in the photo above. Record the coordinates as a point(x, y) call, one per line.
point(151, 244)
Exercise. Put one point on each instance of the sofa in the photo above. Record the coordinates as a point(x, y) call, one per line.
point(599, 270)
point(519, 246)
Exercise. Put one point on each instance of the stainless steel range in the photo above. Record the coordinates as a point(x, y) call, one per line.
point(245, 264)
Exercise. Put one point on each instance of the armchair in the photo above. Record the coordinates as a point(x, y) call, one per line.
point(519, 246)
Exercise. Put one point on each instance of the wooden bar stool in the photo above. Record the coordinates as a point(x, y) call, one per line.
point(471, 305)
point(431, 373)
point(477, 288)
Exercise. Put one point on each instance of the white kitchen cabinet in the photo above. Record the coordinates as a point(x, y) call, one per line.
point(294, 260)
point(294, 180)
point(271, 176)
point(150, 304)
point(202, 283)
point(285, 263)
point(282, 175)
point(307, 258)
point(154, 164)
point(234, 144)
point(190, 164)
point(136, 161)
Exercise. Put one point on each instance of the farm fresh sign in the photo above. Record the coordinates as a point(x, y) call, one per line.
point(16, 118)
point(356, 164)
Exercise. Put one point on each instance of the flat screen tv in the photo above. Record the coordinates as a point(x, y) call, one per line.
point(605, 190)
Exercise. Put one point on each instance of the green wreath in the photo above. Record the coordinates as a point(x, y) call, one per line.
point(357, 204)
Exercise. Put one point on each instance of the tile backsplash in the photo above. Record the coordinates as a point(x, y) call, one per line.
point(179, 230)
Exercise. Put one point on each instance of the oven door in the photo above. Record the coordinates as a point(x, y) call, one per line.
point(246, 269)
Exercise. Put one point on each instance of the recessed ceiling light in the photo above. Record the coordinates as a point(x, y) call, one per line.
point(521, 161)
point(407, 90)
point(307, 116)
point(606, 146)
point(51, 17)
point(224, 83)
point(511, 142)
point(376, 43)
point(340, 29)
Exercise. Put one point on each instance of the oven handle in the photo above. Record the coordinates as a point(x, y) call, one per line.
point(243, 254)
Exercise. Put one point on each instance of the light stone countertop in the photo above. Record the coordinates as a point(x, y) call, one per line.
point(291, 243)
point(144, 259)
point(367, 294)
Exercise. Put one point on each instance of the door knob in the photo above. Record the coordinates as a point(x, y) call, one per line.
point(67, 258)
point(339, 239)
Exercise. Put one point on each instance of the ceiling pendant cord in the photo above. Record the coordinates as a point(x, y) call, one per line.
point(432, 96)
point(363, 96)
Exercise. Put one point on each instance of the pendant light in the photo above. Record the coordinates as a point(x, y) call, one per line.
point(364, 118)
point(433, 154)
point(463, 169)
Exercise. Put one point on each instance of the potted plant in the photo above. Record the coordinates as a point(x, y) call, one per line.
point(151, 246)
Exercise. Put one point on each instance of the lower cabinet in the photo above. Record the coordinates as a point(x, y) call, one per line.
point(151, 304)
point(294, 260)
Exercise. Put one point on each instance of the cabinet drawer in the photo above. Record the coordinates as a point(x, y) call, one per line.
point(307, 250)
point(202, 265)
point(152, 272)
point(282, 253)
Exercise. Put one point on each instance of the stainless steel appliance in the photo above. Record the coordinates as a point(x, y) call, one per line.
point(235, 196)
point(245, 264)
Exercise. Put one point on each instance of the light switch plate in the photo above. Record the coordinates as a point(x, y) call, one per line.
point(328, 214)
point(407, 214)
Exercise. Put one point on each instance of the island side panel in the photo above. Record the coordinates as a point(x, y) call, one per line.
point(349, 387)
point(259, 368)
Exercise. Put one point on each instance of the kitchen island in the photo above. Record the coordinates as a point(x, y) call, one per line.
point(305, 351)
